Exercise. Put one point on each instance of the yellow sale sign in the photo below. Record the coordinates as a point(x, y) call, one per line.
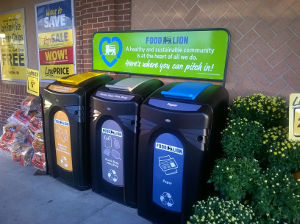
point(294, 117)
point(12, 46)
point(58, 39)
point(33, 82)
point(62, 138)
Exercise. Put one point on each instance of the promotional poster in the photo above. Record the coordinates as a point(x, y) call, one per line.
point(55, 39)
point(199, 54)
point(12, 46)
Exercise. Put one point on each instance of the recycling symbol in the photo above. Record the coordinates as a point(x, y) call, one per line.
point(64, 161)
point(166, 199)
point(112, 175)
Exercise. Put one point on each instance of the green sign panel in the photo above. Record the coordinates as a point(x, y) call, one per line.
point(199, 54)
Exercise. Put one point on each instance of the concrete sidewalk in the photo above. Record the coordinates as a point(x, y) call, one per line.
point(25, 198)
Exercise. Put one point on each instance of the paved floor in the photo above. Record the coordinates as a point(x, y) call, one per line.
point(25, 198)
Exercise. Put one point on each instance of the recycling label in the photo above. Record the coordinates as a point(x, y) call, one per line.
point(62, 137)
point(112, 153)
point(168, 164)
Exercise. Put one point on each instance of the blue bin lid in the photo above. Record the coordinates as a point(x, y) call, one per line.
point(186, 90)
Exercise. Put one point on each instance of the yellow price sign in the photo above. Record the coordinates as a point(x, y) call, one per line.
point(294, 117)
point(33, 82)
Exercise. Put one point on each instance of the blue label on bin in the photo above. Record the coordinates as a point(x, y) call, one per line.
point(168, 164)
point(112, 153)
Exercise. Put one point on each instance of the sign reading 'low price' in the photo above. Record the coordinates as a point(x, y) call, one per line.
point(199, 54)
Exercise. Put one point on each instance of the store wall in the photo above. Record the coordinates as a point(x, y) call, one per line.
point(90, 16)
point(12, 93)
point(95, 16)
point(264, 51)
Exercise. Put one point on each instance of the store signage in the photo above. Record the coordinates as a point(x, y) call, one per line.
point(12, 46)
point(199, 54)
point(33, 82)
point(294, 117)
point(55, 39)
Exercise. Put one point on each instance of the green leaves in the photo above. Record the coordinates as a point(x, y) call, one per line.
point(267, 110)
point(278, 195)
point(258, 166)
point(235, 178)
point(284, 155)
point(242, 138)
point(215, 210)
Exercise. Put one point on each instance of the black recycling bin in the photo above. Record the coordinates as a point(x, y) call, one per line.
point(179, 139)
point(66, 127)
point(114, 133)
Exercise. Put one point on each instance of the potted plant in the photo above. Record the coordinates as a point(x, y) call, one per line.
point(271, 136)
point(275, 134)
point(267, 110)
point(215, 210)
point(285, 155)
point(277, 197)
point(242, 138)
point(235, 178)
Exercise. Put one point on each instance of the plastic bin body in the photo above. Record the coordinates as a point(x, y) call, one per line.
point(114, 129)
point(66, 127)
point(178, 142)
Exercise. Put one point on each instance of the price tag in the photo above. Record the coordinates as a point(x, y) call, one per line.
point(33, 82)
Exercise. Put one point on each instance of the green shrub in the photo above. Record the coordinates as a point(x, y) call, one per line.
point(277, 197)
point(271, 136)
point(215, 210)
point(267, 110)
point(285, 155)
point(235, 178)
point(242, 138)
point(275, 134)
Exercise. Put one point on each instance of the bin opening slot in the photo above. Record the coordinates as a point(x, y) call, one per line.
point(186, 90)
point(127, 84)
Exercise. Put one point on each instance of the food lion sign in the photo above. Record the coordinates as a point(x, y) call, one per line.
point(193, 54)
